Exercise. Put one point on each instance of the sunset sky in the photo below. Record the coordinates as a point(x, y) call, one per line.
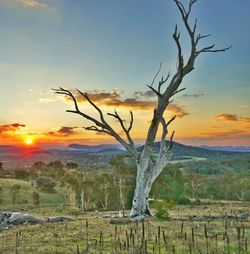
point(112, 49)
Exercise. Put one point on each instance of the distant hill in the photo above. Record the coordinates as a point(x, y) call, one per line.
point(95, 149)
point(228, 148)
point(180, 150)
point(14, 150)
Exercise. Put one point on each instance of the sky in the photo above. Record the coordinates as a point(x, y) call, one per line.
point(112, 49)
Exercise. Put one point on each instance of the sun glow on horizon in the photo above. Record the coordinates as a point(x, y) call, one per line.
point(28, 141)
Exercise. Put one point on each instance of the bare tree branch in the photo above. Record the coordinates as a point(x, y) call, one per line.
point(131, 121)
point(155, 91)
point(104, 127)
point(178, 91)
point(210, 50)
point(163, 81)
point(94, 128)
point(157, 73)
point(182, 71)
point(125, 130)
point(163, 147)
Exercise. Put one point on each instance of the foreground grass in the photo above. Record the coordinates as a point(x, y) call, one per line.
point(87, 234)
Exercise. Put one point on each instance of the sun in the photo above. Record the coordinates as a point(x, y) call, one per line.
point(28, 141)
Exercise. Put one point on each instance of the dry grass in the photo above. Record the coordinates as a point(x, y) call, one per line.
point(96, 235)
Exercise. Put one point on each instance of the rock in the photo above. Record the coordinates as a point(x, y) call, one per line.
point(7, 219)
point(58, 219)
point(17, 218)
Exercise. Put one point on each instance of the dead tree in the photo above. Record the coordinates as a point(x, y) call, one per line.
point(168, 86)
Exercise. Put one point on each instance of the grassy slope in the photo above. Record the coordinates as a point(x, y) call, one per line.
point(24, 198)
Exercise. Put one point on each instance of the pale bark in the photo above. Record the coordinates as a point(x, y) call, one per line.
point(82, 201)
point(148, 170)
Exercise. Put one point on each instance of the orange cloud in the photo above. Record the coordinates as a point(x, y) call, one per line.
point(139, 101)
point(10, 127)
point(232, 117)
point(226, 134)
point(63, 132)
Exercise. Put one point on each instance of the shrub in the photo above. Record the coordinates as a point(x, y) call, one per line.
point(183, 201)
point(21, 173)
point(197, 201)
point(46, 184)
point(162, 207)
point(74, 211)
point(36, 198)
point(14, 189)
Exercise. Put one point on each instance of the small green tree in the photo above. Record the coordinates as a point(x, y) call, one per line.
point(36, 198)
point(162, 208)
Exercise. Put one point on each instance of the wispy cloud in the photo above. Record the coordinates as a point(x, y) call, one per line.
point(10, 127)
point(177, 110)
point(35, 4)
point(232, 134)
point(232, 117)
point(139, 101)
point(243, 106)
point(64, 131)
point(46, 100)
point(194, 95)
point(227, 117)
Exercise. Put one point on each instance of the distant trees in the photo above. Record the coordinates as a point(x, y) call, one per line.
point(170, 185)
point(46, 183)
point(39, 165)
point(71, 165)
point(21, 173)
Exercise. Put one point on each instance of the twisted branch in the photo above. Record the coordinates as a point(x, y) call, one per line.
point(101, 126)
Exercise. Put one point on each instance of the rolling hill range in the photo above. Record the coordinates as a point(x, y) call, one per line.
point(14, 156)
point(195, 151)
point(178, 150)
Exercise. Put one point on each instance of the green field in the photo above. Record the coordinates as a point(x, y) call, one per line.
point(24, 200)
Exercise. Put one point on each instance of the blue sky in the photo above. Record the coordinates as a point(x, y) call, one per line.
point(115, 44)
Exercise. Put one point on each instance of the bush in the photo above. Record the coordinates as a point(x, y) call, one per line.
point(14, 189)
point(74, 211)
point(197, 201)
point(162, 207)
point(36, 198)
point(21, 173)
point(183, 201)
point(46, 184)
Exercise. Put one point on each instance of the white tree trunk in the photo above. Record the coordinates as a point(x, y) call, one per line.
point(144, 181)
